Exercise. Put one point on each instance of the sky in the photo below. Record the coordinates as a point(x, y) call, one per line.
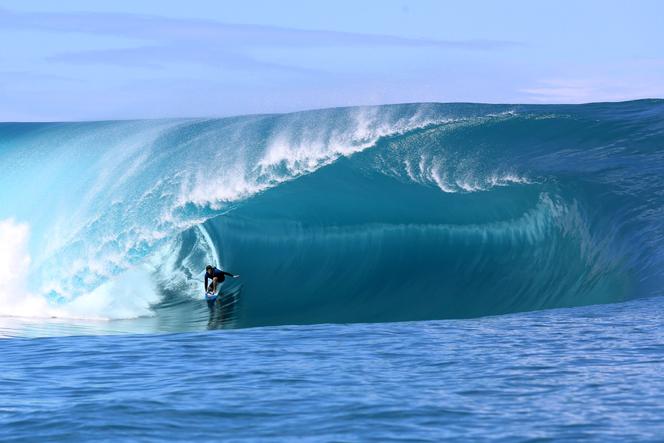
point(82, 60)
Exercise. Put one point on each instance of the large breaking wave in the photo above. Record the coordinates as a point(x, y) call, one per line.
point(398, 212)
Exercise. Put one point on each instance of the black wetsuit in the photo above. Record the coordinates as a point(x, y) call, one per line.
point(221, 276)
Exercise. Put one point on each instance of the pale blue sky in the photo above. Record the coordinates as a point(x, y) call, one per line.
point(81, 60)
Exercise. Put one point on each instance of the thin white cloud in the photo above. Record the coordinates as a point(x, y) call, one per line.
point(206, 41)
point(593, 89)
point(156, 57)
point(157, 28)
point(561, 91)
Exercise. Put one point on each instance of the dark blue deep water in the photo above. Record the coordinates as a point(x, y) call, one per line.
point(407, 272)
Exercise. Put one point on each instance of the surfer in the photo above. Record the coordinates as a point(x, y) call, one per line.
point(217, 276)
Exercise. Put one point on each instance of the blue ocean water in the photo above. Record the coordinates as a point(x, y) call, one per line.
point(409, 272)
point(591, 373)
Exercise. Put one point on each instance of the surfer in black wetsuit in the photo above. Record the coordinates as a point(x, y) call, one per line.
point(217, 276)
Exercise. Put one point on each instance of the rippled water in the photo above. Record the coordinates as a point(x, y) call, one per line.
point(591, 373)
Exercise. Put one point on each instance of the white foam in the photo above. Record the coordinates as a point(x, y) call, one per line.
point(127, 295)
point(15, 298)
point(449, 175)
point(304, 151)
point(294, 149)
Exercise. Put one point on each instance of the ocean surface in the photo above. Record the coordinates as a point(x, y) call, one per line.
point(407, 272)
point(592, 373)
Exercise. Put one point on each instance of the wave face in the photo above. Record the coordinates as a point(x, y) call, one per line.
point(399, 212)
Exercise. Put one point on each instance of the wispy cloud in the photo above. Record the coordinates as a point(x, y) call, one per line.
point(595, 88)
point(29, 77)
point(206, 41)
point(151, 27)
point(562, 91)
point(158, 56)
